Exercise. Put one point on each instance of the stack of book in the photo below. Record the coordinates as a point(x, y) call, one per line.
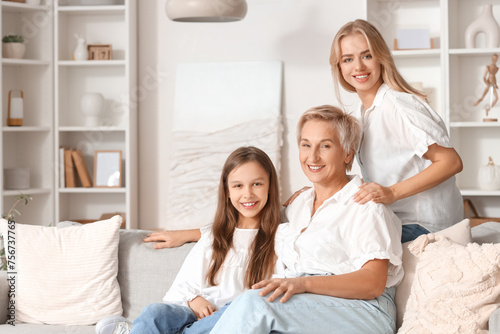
point(73, 171)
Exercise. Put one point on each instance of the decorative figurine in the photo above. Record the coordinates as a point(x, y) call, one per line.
point(490, 80)
point(81, 52)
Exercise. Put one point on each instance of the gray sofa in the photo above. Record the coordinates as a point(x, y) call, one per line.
point(145, 274)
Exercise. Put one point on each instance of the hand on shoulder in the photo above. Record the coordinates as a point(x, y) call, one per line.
point(376, 193)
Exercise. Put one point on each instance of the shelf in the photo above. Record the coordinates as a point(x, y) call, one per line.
point(474, 124)
point(474, 52)
point(416, 53)
point(91, 63)
point(17, 7)
point(91, 190)
point(90, 129)
point(92, 10)
point(26, 129)
point(30, 191)
point(475, 192)
point(16, 62)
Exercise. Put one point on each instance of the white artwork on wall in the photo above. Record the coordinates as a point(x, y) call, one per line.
point(218, 108)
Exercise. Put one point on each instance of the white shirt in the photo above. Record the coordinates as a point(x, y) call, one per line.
point(341, 236)
point(397, 131)
point(191, 280)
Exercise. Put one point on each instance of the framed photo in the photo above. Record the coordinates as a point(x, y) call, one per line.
point(108, 169)
point(100, 51)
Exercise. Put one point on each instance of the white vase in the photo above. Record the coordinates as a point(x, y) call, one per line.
point(486, 24)
point(13, 50)
point(91, 105)
point(81, 52)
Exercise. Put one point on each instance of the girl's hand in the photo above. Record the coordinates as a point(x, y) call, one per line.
point(280, 286)
point(201, 307)
point(374, 192)
point(171, 239)
point(295, 195)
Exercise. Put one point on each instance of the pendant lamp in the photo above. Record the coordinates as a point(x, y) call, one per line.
point(206, 10)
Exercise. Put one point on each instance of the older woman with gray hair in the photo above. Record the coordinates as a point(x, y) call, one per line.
point(341, 259)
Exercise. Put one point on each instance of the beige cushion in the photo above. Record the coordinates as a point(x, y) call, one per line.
point(456, 288)
point(66, 276)
point(459, 233)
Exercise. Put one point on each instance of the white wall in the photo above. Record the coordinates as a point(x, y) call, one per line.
point(297, 32)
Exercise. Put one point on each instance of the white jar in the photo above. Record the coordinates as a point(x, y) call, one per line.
point(91, 105)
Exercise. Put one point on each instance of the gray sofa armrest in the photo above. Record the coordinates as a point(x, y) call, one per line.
point(494, 323)
point(4, 296)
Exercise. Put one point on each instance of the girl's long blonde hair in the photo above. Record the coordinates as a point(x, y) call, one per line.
point(378, 49)
point(262, 257)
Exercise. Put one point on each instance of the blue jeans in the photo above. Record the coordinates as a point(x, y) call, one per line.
point(172, 319)
point(412, 232)
point(251, 313)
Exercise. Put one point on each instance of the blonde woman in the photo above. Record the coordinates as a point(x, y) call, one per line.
point(406, 157)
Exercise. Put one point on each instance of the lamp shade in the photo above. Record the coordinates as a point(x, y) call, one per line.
point(206, 10)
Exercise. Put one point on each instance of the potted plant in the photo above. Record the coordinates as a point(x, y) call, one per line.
point(13, 46)
point(10, 216)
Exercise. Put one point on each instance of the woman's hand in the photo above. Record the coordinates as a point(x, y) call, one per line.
point(171, 239)
point(295, 195)
point(280, 286)
point(201, 307)
point(375, 192)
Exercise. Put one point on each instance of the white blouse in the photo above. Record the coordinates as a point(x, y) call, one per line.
point(396, 132)
point(341, 236)
point(191, 280)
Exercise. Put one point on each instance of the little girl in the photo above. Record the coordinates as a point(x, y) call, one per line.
point(234, 253)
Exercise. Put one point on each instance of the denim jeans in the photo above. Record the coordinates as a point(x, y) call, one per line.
point(172, 319)
point(251, 313)
point(412, 232)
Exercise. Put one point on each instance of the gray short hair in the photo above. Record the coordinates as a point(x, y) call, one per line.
point(345, 125)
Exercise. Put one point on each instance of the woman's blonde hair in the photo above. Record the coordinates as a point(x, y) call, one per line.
point(346, 127)
point(262, 258)
point(379, 50)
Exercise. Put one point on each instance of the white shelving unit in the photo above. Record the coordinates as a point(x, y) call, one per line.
point(453, 76)
point(115, 79)
point(30, 145)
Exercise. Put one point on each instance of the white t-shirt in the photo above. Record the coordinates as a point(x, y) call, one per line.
point(341, 236)
point(396, 132)
point(191, 280)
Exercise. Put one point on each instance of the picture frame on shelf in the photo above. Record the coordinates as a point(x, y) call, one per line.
point(108, 169)
point(100, 51)
point(413, 39)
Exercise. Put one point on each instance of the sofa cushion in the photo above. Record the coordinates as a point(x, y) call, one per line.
point(486, 233)
point(145, 273)
point(456, 288)
point(460, 233)
point(66, 276)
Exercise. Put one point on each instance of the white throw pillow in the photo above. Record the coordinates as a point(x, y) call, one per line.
point(66, 276)
point(459, 233)
point(456, 288)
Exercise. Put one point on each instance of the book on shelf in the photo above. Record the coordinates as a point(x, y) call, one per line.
point(69, 169)
point(62, 174)
point(81, 168)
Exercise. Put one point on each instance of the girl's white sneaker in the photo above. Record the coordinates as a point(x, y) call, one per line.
point(113, 324)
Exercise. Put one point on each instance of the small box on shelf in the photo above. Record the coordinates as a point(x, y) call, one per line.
point(100, 51)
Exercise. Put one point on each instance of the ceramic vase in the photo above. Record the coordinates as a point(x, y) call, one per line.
point(13, 50)
point(488, 177)
point(81, 52)
point(91, 105)
point(486, 24)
